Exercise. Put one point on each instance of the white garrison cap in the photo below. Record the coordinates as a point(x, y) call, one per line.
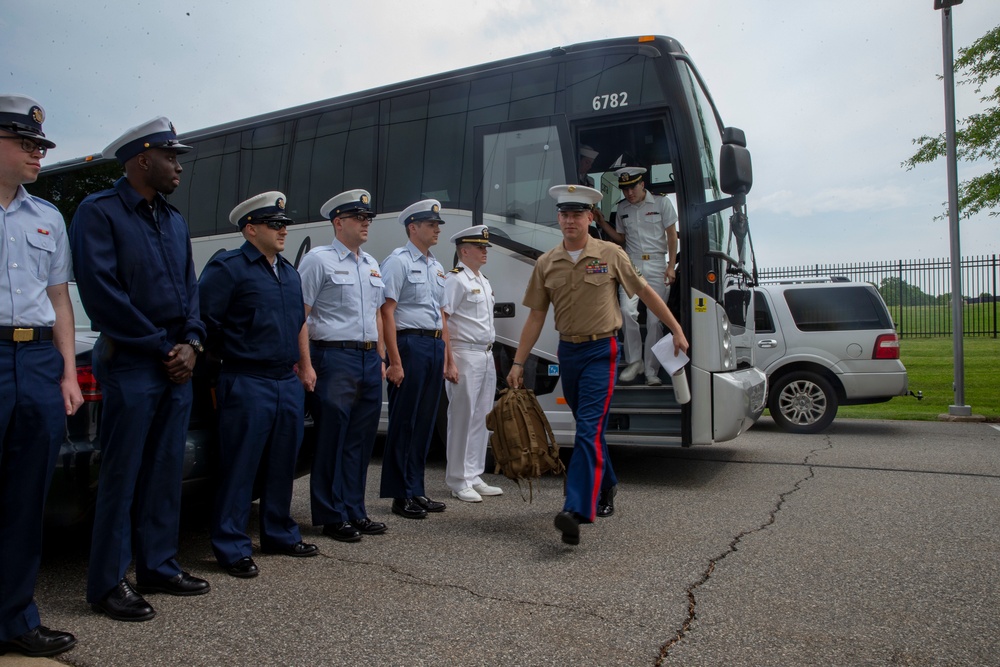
point(346, 202)
point(629, 175)
point(478, 234)
point(575, 197)
point(23, 116)
point(156, 133)
point(260, 208)
point(427, 210)
point(587, 151)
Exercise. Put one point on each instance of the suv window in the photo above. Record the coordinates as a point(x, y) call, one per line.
point(763, 322)
point(843, 309)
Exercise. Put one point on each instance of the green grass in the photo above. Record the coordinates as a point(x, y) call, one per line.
point(929, 364)
point(935, 320)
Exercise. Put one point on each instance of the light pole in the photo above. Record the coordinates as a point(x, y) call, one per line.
point(959, 409)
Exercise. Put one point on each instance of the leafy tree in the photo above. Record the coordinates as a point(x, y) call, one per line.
point(897, 292)
point(978, 136)
point(67, 190)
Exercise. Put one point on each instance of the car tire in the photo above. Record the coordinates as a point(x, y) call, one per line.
point(803, 402)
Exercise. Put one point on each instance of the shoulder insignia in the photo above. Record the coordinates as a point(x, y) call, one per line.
point(455, 270)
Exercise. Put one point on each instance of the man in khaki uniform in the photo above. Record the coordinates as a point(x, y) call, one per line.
point(580, 278)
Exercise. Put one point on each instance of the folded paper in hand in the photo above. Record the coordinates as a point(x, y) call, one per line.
point(664, 351)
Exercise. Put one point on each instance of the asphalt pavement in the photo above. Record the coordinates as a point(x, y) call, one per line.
point(875, 543)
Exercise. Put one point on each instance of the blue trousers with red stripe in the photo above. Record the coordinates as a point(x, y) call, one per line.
point(588, 372)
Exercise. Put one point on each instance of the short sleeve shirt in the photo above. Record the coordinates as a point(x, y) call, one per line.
point(34, 255)
point(468, 301)
point(645, 224)
point(415, 281)
point(343, 292)
point(583, 293)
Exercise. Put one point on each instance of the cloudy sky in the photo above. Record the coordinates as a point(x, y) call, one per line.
point(829, 92)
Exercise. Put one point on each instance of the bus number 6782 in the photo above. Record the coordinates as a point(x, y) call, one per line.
point(612, 101)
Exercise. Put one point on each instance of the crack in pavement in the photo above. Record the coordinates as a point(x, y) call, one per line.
point(733, 547)
point(412, 579)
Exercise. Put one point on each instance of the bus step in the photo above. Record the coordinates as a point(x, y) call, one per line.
point(638, 397)
point(662, 423)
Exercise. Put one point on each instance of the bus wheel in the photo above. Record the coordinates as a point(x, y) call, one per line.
point(802, 402)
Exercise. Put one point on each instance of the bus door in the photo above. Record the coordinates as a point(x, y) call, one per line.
point(639, 414)
point(516, 164)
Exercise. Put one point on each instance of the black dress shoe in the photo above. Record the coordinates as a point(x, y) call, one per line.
point(39, 642)
point(182, 584)
point(368, 527)
point(408, 508)
point(244, 568)
point(342, 532)
point(569, 524)
point(429, 505)
point(299, 550)
point(124, 604)
point(606, 503)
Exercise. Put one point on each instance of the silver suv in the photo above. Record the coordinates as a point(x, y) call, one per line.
point(823, 343)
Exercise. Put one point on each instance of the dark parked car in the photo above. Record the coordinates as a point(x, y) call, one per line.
point(74, 483)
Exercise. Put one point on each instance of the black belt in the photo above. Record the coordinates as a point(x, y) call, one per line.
point(430, 333)
point(25, 334)
point(346, 344)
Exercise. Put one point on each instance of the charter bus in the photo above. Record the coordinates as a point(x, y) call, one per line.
point(488, 141)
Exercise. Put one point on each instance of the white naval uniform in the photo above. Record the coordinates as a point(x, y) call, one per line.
point(468, 301)
point(645, 228)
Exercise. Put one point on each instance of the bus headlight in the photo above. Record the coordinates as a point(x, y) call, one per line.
point(728, 354)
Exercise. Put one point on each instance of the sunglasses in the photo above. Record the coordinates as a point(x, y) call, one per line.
point(276, 225)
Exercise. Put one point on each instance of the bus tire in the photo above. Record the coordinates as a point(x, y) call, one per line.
point(803, 402)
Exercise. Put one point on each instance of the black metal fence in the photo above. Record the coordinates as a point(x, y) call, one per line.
point(918, 291)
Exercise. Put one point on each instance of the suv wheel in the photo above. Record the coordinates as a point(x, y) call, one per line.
point(803, 402)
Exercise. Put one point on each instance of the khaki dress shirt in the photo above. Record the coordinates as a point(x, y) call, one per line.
point(584, 293)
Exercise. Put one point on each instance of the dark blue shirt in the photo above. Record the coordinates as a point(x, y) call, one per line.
point(135, 272)
point(253, 314)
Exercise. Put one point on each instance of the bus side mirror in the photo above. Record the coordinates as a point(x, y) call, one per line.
point(736, 172)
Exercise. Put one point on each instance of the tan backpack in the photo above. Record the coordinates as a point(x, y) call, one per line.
point(523, 445)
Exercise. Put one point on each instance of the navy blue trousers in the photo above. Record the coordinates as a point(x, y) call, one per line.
point(346, 405)
point(588, 381)
point(260, 428)
point(32, 426)
point(413, 409)
point(143, 433)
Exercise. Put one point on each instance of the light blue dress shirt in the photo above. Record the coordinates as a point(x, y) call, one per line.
point(344, 293)
point(416, 283)
point(34, 253)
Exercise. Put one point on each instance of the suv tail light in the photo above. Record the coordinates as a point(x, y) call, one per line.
point(89, 386)
point(886, 347)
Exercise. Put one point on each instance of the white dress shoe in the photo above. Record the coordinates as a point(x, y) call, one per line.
point(653, 381)
point(487, 490)
point(468, 495)
point(631, 371)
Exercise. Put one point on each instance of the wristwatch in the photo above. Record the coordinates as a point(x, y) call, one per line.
point(195, 345)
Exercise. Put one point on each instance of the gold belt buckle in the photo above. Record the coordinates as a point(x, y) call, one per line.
point(645, 256)
point(24, 335)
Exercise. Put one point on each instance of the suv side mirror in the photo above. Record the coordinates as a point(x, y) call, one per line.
point(736, 172)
